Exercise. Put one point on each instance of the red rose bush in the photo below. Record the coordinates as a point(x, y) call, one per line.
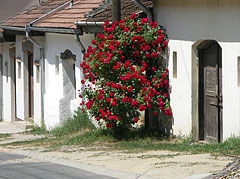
point(124, 66)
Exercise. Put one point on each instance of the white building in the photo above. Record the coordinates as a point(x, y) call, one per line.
point(41, 55)
point(204, 58)
point(204, 63)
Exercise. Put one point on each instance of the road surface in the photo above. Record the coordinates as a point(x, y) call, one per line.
point(14, 166)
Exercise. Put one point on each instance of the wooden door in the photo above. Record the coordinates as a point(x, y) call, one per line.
point(210, 93)
point(30, 85)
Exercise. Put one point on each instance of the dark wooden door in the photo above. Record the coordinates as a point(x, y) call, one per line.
point(210, 93)
point(30, 85)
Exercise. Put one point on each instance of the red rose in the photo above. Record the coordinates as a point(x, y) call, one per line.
point(111, 94)
point(139, 28)
point(124, 100)
point(88, 105)
point(82, 81)
point(110, 36)
point(99, 96)
point(144, 89)
point(108, 100)
point(147, 55)
point(164, 75)
point(130, 89)
point(145, 98)
point(142, 69)
point(148, 105)
point(124, 43)
point(118, 86)
point(134, 103)
point(114, 103)
point(124, 88)
point(132, 16)
point(141, 108)
point(165, 43)
point(154, 113)
point(102, 115)
point(135, 120)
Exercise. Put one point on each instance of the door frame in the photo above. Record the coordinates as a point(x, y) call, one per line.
point(30, 86)
point(12, 64)
point(195, 91)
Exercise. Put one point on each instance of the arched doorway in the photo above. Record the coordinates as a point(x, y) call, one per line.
point(207, 91)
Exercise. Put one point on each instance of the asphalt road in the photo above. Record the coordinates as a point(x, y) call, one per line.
point(20, 167)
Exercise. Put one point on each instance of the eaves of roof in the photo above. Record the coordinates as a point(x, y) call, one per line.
point(52, 16)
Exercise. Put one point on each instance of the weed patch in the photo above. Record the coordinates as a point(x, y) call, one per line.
point(79, 122)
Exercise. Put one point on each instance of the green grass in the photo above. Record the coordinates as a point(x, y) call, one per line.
point(101, 140)
point(4, 135)
point(78, 123)
point(81, 132)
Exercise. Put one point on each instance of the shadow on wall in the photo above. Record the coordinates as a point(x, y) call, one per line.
point(192, 20)
point(69, 84)
point(161, 123)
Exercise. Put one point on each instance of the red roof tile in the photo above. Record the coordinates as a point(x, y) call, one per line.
point(81, 10)
point(33, 13)
point(128, 7)
point(66, 17)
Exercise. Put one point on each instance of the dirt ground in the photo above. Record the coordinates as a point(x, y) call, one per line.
point(159, 164)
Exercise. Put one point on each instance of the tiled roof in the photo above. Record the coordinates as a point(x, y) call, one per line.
point(128, 7)
point(66, 17)
point(33, 13)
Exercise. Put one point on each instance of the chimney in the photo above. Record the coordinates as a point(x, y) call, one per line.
point(116, 10)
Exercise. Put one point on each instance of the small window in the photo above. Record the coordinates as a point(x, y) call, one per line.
point(174, 64)
point(57, 64)
point(6, 66)
point(238, 71)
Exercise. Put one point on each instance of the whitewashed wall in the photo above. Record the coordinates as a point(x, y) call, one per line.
point(186, 22)
point(55, 45)
point(37, 85)
point(6, 84)
point(19, 81)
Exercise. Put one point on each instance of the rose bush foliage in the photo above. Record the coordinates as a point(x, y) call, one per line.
point(123, 72)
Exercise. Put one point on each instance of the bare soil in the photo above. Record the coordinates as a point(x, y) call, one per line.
point(159, 164)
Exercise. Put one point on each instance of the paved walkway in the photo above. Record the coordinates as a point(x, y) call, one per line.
point(12, 128)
